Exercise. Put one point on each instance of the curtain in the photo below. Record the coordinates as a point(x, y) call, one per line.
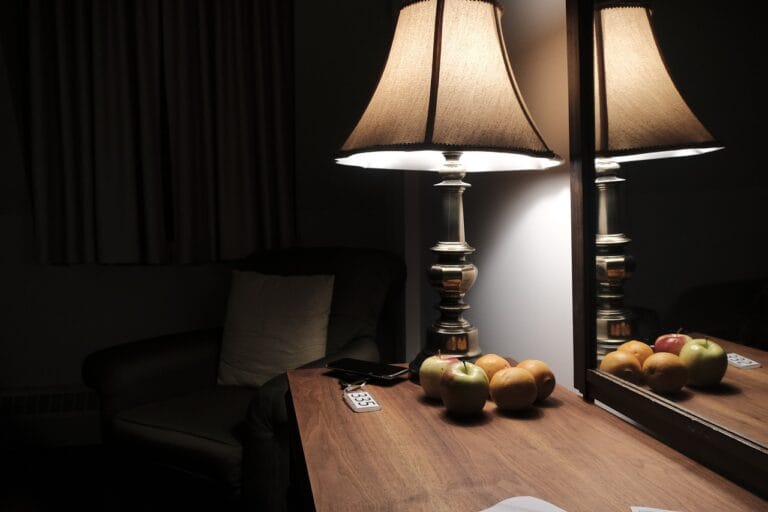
point(157, 131)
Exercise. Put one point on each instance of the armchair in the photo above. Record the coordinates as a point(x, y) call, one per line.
point(161, 405)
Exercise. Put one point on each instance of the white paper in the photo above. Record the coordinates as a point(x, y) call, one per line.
point(523, 504)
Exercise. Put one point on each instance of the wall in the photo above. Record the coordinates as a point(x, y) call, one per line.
point(520, 222)
point(340, 49)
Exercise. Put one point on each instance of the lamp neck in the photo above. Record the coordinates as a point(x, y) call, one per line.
point(452, 189)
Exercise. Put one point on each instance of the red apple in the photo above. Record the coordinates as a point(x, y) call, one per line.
point(464, 389)
point(706, 362)
point(672, 343)
point(430, 373)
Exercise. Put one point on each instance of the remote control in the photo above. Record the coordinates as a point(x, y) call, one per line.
point(740, 361)
point(361, 401)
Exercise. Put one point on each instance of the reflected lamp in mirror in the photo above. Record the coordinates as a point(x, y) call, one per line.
point(639, 115)
point(447, 101)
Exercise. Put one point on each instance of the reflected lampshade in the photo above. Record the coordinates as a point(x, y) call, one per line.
point(639, 112)
point(447, 85)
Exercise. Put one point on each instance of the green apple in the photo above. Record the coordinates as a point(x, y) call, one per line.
point(430, 373)
point(706, 362)
point(464, 389)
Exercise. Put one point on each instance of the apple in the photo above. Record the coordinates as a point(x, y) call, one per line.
point(672, 343)
point(706, 362)
point(431, 371)
point(464, 389)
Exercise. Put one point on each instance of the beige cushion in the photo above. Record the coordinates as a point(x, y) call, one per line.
point(273, 323)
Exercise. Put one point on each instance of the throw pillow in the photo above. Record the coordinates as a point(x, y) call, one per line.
point(273, 323)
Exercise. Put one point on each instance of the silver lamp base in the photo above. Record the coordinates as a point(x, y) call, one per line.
point(452, 275)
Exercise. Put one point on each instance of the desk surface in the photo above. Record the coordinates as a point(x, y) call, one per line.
point(740, 402)
point(412, 456)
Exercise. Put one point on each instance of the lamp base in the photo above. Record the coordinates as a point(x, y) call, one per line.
point(462, 342)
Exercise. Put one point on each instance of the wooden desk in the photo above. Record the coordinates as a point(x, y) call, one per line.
point(412, 456)
point(740, 402)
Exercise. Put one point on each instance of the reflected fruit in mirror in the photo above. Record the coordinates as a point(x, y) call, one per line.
point(430, 373)
point(491, 363)
point(513, 389)
point(665, 373)
point(624, 365)
point(639, 349)
point(542, 374)
point(706, 362)
point(672, 343)
point(464, 389)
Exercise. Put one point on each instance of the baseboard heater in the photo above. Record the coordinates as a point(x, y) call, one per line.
point(49, 402)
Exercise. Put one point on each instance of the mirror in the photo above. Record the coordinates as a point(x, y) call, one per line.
point(699, 230)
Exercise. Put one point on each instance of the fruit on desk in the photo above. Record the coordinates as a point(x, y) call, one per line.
point(639, 349)
point(622, 364)
point(430, 373)
point(672, 342)
point(706, 362)
point(542, 374)
point(464, 388)
point(513, 389)
point(491, 363)
point(664, 372)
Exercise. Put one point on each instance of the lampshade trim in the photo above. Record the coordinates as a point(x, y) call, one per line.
point(420, 146)
point(406, 3)
point(614, 4)
point(600, 82)
point(437, 48)
point(712, 144)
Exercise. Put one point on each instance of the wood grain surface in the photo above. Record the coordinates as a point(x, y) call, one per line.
point(411, 456)
point(740, 402)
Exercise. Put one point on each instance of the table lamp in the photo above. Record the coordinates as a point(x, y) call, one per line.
point(639, 115)
point(447, 101)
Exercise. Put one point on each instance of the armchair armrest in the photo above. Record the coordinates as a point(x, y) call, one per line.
point(138, 372)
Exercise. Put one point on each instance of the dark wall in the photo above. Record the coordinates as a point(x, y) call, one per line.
point(704, 220)
point(52, 316)
point(341, 47)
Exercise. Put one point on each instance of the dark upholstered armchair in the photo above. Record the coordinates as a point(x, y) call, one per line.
point(161, 404)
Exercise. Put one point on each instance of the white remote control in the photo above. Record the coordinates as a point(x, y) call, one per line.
point(361, 401)
point(740, 361)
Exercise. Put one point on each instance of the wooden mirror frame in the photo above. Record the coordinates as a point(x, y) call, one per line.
point(733, 456)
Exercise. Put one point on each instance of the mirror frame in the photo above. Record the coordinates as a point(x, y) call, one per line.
point(728, 453)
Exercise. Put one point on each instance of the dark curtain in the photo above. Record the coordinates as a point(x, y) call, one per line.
point(158, 130)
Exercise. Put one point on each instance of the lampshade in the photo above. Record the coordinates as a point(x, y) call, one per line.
point(639, 113)
point(447, 86)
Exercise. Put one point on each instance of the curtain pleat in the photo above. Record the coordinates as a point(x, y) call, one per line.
point(159, 131)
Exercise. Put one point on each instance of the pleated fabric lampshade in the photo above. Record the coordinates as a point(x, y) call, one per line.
point(447, 86)
point(639, 112)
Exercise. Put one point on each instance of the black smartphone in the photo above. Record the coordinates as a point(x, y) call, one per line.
point(367, 368)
